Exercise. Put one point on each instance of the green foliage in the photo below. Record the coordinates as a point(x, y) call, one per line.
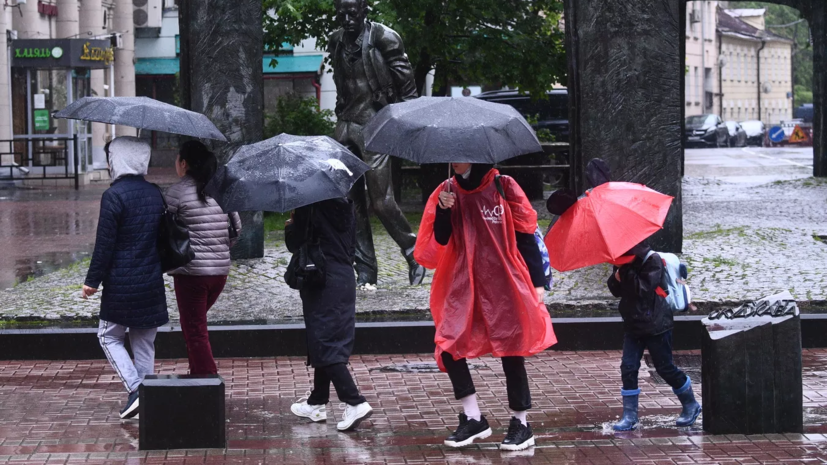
point(543, 135)
point(299, 116)
point(803, 95)
point(778, 15)
point(515, 43)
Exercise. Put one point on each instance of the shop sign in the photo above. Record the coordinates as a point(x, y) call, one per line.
point(41, 120)
point(104, 54)
point(62, 53)
point(46, 9)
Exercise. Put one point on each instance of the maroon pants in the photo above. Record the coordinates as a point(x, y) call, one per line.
point(195, 295)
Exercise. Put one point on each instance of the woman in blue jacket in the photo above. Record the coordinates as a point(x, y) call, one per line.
point(126, 262)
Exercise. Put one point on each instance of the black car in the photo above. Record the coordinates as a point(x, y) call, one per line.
point(705, 131)
point(737, 134)
point(552, 112)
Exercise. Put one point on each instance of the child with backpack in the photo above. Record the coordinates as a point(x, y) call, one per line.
point(645, 285)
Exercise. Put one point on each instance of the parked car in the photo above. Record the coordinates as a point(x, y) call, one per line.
point(737, 135)
point(552, 113)
point(756, 132)
point(705, 131)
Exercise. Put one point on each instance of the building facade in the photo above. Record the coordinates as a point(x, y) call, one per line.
point(701, 84)
point(756, 78)
point(726, 50)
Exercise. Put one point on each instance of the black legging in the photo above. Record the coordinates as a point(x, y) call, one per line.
point(516, 380)
point(339, 375)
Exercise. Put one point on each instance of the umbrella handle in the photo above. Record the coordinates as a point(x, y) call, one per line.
point(448, 184)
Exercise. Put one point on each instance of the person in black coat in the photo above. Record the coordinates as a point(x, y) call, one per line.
point(329, 310)
point(647, 323)
point(126, 262)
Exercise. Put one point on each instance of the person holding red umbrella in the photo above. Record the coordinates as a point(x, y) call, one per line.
point(611, 218)
point(647, 324)
point(486, 296)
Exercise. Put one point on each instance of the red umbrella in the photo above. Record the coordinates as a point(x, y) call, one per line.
point(604, 224)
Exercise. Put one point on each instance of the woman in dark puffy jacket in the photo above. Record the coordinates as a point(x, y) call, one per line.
point(126, 262)
point(330, 309)
point(199, 283)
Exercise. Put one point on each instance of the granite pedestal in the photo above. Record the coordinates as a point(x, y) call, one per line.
point(751, 370)
point(182, 412)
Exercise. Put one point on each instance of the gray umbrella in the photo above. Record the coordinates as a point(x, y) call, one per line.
point(142, 113)
point(285, 172)
point(447, 129)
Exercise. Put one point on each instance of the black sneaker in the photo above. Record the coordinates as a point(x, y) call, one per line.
point(131, 408)
point(468, 431)
point(519, 437)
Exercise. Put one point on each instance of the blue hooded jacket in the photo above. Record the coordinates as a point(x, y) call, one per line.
point(126, 257)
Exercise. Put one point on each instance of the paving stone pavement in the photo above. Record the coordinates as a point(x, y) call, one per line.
point(67, 412)
point(744, 238)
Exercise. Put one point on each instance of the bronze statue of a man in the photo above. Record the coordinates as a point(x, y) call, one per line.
point(371, 71)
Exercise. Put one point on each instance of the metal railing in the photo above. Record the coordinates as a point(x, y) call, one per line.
point(40, 157)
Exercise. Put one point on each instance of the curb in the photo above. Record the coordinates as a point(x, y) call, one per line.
point(573, 334)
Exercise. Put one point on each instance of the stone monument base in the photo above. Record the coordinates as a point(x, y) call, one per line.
point(182, 412)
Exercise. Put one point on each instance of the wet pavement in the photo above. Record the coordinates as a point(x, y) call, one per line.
point(67, 412)
point(753, 226)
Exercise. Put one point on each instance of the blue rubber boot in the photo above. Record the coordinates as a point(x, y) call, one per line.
point(629, 420)
point(691, 408)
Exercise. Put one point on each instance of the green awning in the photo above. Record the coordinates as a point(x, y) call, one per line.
point(146, 66)
point(290, 64)
point(287, 64)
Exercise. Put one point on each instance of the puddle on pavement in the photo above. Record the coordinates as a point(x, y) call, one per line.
point(39, 265)
point(647, 423)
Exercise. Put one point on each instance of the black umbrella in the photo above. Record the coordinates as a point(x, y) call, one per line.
point(285, 172)
point(142, 113)
point(450, 130)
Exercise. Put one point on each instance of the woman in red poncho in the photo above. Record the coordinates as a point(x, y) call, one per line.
point(486, 296)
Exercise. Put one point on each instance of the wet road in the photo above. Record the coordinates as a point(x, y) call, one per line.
point(42, 230)
point(750, 164)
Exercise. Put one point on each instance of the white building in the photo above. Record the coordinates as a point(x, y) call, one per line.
point(701, 81)
point(757, 73)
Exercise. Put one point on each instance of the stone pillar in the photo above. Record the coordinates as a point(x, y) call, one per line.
point(124, 58)
point(91, 25)
point(68, 24)
point(818, 26)
point(221, 77)
point(27, 22)
point(5, 110)
point(625, 70)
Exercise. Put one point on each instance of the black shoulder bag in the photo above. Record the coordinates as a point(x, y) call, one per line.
point(173, 240)
point(307, 266)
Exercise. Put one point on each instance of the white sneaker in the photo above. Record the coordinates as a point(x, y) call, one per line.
point(353, 415)
point(314, 412)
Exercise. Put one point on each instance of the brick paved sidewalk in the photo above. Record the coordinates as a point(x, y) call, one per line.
point(67, 412)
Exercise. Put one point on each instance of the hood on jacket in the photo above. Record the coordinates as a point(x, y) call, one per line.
point(128, 156)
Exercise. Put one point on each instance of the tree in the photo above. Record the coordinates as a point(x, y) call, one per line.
point(516, 43)
point(299, 116)
point(799, 32)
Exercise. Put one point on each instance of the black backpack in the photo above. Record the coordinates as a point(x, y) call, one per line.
point(173, 240)
point(307, 266)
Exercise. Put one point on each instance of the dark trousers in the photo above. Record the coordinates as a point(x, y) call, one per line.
point(195, 296)
point(516, 380)
point(339, 375)
point(660, 348)
point(380, 196)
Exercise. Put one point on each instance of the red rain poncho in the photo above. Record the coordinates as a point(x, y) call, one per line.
point(482, 298)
